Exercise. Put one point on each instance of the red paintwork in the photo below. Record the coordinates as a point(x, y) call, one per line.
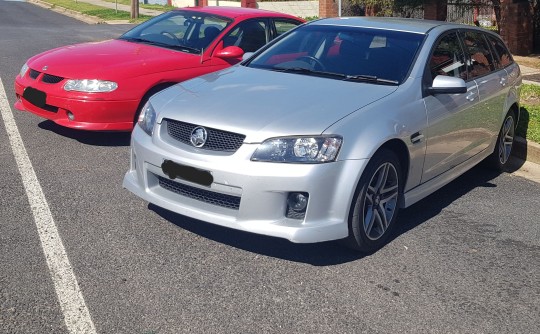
point(137, 68)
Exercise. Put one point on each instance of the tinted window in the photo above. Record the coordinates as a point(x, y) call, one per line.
point(503, 56)
point(480, 59)
point(249, 35)
point(283, 26)
point(448, 58)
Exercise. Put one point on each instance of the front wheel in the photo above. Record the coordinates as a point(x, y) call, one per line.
point(505, 141)
point(376, 203)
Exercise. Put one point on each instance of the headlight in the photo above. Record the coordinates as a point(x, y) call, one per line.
point(90, 86)
point(299, 149)
point(24, 69)
point(147, 118)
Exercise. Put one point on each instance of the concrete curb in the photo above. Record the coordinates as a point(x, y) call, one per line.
point(526, 150)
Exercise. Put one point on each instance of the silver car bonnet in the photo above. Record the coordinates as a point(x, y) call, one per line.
point(262, 104)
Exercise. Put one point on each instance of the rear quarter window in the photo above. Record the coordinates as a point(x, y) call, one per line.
point(502, 56)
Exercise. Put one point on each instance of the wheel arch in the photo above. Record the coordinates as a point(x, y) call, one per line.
point(399, 148)
point(517, 111)
point(151, 91)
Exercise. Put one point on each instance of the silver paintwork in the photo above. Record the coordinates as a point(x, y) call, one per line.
point(264, 104)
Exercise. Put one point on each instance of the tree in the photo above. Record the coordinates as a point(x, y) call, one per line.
point(134, 9)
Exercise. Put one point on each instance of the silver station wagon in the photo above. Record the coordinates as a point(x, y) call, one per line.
point(327, 131)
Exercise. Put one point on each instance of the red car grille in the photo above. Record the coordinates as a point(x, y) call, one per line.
point(51, 79)
point(34, 74)
point(47, 78)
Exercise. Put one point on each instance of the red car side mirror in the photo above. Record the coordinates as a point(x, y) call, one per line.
point(230, 52)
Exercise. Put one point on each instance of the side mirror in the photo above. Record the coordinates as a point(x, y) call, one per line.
point(230, 52)
point(447, 85)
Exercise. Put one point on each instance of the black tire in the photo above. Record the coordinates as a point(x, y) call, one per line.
point(500, 157)
point(375, 205)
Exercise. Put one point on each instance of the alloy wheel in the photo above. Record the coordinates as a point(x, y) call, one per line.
point(380, 201)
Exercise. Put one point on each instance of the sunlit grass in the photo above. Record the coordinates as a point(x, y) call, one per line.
point(162, 8)
point(105, 14)
point(529, 122)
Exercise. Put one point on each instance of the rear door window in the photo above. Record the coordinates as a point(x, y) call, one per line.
point(282, 26)
point(480, 59)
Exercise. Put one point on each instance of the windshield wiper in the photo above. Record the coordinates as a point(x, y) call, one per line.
point(292, 69)
point(303, 70)
point(345, 77)
point(369, 78)
point(165, 45)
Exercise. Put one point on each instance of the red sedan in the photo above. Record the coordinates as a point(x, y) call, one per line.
point(102, 86)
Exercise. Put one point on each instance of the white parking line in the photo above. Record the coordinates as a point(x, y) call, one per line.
point(76, 315)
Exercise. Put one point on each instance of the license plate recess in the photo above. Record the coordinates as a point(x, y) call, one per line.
point(35, 96)
point(175, 170)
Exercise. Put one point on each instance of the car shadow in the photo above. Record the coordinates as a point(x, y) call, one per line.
point(95, 138)
point(333, 252)
point(431, 206)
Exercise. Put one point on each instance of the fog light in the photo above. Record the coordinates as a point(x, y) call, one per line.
point(298, 201)
point(70, 115)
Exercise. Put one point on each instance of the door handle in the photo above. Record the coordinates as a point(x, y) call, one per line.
point(471, 96)
point(417, 137)
point(503, 82)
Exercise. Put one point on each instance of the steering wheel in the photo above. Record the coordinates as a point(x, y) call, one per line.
point(170, 35)
point(312, 61)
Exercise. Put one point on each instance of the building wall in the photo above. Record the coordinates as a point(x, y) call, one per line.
point(296, 8)
point(328, 8)
point(517, 28)
point(308, 8)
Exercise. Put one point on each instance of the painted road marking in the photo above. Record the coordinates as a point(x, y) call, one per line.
point(76, 315)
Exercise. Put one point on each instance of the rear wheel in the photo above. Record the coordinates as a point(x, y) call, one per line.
point(375, 206)
point(505, 141)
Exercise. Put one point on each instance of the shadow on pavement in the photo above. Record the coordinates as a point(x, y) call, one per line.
point(333, 253)
point(95, 138)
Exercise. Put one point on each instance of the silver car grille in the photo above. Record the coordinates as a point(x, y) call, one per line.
point(210, 197)
point(218, 140)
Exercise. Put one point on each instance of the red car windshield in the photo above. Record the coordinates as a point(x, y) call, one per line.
point(187, 31)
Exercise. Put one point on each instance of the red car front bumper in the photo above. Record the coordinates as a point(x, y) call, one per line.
point(92, 113)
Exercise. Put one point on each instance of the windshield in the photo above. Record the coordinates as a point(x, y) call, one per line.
point(181, 30)
point(343, 53)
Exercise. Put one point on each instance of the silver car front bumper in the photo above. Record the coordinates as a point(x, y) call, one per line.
point(261, 189)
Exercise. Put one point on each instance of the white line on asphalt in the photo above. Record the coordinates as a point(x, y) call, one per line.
point(71, 300)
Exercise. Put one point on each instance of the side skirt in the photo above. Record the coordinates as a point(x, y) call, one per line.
point(416, 194)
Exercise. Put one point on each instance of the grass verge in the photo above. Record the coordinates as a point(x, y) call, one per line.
point(529, 122)
point(105, 14)
point(163, 8)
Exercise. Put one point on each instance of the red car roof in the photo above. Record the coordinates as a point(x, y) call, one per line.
point(234, 12)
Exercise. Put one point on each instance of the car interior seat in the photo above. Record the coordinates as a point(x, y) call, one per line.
point(253, 37)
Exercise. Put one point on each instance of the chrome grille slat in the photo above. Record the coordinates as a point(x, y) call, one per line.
point(218, 140)
point(210, 197)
